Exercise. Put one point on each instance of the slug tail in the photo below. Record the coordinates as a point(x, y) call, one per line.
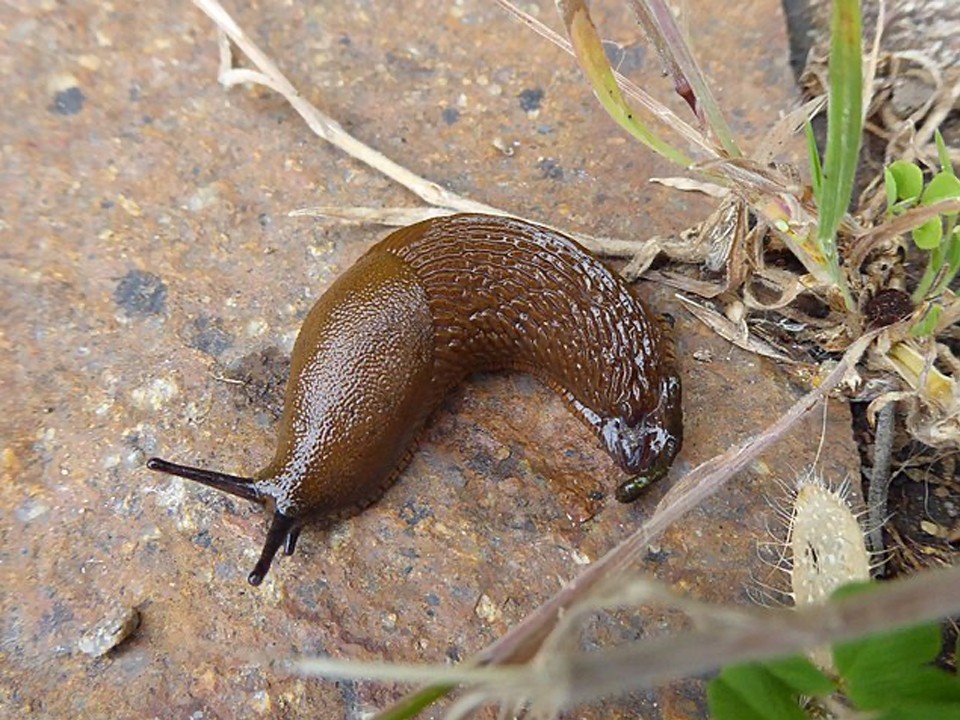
point(281, 532)
point(239, 486)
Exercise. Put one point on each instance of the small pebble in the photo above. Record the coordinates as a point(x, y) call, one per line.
point(485, 609)
point(30, 509)
point(113, 629)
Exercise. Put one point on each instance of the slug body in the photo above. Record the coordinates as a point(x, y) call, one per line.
point(424, 308)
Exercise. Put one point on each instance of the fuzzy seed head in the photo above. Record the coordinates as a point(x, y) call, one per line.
point(827, 544)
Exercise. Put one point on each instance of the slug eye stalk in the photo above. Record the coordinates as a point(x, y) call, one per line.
point(233, 484)
point(282, 530)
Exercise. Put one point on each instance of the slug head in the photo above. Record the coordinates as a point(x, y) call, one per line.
point(646, 447)
point(284, 529)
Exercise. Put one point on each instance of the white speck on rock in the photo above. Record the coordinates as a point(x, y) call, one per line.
point(256, 328)
point(202, 198)
point(31, 509)
point(155, 394)
point(487, 610)
point(171, 496)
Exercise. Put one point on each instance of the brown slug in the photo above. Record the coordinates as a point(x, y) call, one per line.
point(420, 311)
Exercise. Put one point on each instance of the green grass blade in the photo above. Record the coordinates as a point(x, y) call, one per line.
point(928, 323)
point(816, 171)
point(844, 127)
point(593, 61)
point(952, 260)
point(658, 20)
point(930, 275)
point(413, 705)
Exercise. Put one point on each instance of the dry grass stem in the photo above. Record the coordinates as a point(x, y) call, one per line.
point(390, 216)
point(665, 115)
point(441, 200)
point(869, 240)
point(563, 675)
point(692, 185)
point(735, 332)
point(322, 125)
point(695, 487)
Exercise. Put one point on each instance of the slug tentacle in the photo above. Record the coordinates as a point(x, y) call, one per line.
point(282, 532)
point(421, 310)
point(233, 484)
point(291, 542)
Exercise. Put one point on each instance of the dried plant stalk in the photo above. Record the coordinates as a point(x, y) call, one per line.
point(724, 634)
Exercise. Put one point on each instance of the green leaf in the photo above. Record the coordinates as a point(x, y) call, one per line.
point(879, 669)
point(921, 711)
point(844, 130)
point(726, 703)
point(943, 153)
point(908, 178)
point(918, 685)
point(931, 684)
point(816, 170)
point(928, 235)
point(925, 325)
point(751, 692)
point(890, 185)
point(802, 676)
point(875, 653)
point(943, 186)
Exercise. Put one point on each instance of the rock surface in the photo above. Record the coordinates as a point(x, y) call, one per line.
point(148, 258)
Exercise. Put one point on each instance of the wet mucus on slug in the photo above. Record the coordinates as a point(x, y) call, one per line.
point(421, 310)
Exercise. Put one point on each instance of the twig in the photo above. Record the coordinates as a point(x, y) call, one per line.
point(915, 217)
point(631, 89)
point(722, 636)
point(324, 126)
point(394, 216)
point(391, 216)
point(880, 477)
point(656, 18)
point(441, 200)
